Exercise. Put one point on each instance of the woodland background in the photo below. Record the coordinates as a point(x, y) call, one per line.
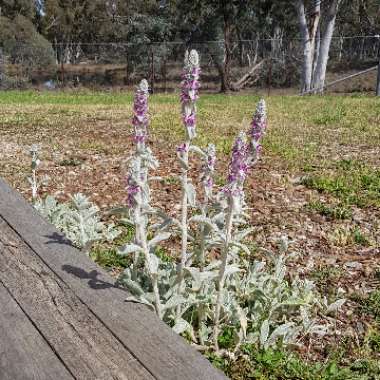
point(242, 42)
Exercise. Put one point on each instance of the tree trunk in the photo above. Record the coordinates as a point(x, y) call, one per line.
point(316, 50)
point(308, 33)
point(320, 71)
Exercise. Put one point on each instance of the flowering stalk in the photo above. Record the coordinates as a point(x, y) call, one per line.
point(138, 192)
point(207, 172)
point(140, 119)
point(207, 178)
point(137, 203)
point(189, 96)
point(258, 127)
point(34, 150)
point(233, 192)
point(244, 154)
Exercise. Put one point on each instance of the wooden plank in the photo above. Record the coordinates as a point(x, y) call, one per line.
point(88, 349)
point(23, 351)
point(154, 344)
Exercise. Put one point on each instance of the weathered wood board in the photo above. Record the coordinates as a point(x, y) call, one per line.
point(78, 312)
point(23, 351)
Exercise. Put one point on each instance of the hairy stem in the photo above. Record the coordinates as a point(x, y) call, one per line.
point(222, 270)
point(153, 277)
point(184, 204)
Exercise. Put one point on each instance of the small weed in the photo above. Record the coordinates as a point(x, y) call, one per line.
point(346, 236)
point(331, 116)
point(360, 238)
point(220, 180)
point(95, 146)
point(227, 338)
point(163, 255)
point(72, 161)
point(127, 234)
point(373, 340)
point(171, 180)
point(333, 212)
point(109, 258)
point(326, 278)
point(370, 304)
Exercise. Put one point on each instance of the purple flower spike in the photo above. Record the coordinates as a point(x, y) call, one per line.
point(189, 92)
point(140, 119)
point(258, 127)
point(132, 190)
point(238, 168)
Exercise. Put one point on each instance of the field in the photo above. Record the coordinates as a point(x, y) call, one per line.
point(318, 183)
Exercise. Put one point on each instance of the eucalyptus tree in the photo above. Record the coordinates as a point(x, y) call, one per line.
point(317, 23)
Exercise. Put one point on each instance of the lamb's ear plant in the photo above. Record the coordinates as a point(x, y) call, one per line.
point(189, 96)
point(78, 219)
point(203, 297)
point(205, 226)
point(139, 209)
point(245, 153)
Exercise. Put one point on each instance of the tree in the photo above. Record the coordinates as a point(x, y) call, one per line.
point(19, 39)
point(316, 30)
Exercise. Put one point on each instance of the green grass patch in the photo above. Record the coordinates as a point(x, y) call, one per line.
point(332, 212)
point(358, 186)
point(275, 364)
point(109, 258)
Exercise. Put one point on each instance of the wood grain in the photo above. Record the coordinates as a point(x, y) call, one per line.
point(88, 349)
point(155, 345)
point(23, 351)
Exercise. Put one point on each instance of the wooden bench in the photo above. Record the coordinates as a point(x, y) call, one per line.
point(61, 317)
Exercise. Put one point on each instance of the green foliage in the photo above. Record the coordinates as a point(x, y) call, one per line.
point(276, 363)
point(358, 186)
point(373, 340)
point(333, 212)
point(78, 219)
point(359, 238)
point(371, 304)
point(326, 278)
point(24, 46)
point(109, 258)
point(72, 161)
point(330, 115)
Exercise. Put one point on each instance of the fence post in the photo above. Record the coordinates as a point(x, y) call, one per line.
point(152, 73)
point(269, 78)
point(378, 79)
point(62, 65)
point(1, 67)
point(164, 68)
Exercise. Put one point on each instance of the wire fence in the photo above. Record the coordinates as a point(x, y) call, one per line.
point(124, 64)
